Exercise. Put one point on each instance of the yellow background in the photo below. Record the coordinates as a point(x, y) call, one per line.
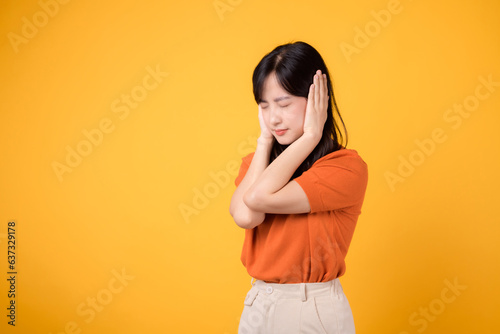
point(120, 207)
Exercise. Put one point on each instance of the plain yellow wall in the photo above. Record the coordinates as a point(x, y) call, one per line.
point(134, 235)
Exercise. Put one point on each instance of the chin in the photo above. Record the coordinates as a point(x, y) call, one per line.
point(285, 140)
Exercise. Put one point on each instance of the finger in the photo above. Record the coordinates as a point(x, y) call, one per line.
point(310, 98)
point(325, 90)
point(317, 92)
point(321, 91)
point(323, 86)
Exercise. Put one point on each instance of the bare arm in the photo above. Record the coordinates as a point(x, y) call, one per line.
point(244, 216)
point(266, 188)
point(272, 192)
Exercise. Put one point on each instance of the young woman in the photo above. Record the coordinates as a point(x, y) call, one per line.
point(298, 197)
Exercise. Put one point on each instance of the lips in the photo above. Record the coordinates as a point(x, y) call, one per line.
point(280, 132)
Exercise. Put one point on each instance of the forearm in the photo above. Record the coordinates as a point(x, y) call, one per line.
point(242, 214)
point(279, 172)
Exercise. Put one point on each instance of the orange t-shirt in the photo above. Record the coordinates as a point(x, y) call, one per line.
point(309, 247)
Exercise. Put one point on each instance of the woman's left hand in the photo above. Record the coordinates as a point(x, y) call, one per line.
point(317, 106)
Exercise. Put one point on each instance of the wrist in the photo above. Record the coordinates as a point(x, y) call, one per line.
point(312, 138)
point(265, 141)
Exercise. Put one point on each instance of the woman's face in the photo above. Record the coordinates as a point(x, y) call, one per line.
point(283, 113)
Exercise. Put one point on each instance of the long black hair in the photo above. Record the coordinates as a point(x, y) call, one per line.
point(295, 65)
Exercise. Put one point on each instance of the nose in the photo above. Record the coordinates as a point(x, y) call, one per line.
point(275, 116)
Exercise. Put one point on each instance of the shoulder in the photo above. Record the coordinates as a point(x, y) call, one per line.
point(335, 181)
point(344, 165)
point(343, 157)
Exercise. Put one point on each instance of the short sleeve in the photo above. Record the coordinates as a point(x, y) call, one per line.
point(245, 164)
point(335, 181)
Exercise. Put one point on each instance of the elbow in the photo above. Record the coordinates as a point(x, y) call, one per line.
point(248, 223)
point(253, 200)
point(245, 218)
point(248, 213)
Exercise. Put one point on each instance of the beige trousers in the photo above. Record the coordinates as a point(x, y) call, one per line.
point(316, 308)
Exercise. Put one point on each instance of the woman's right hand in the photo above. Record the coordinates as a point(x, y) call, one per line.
point(266, 135)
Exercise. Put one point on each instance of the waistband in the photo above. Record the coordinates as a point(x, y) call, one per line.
point(299, 290)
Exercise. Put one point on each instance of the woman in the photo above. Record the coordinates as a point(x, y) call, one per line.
point(298, 197)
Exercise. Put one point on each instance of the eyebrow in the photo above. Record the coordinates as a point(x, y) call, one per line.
point(278, 99)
